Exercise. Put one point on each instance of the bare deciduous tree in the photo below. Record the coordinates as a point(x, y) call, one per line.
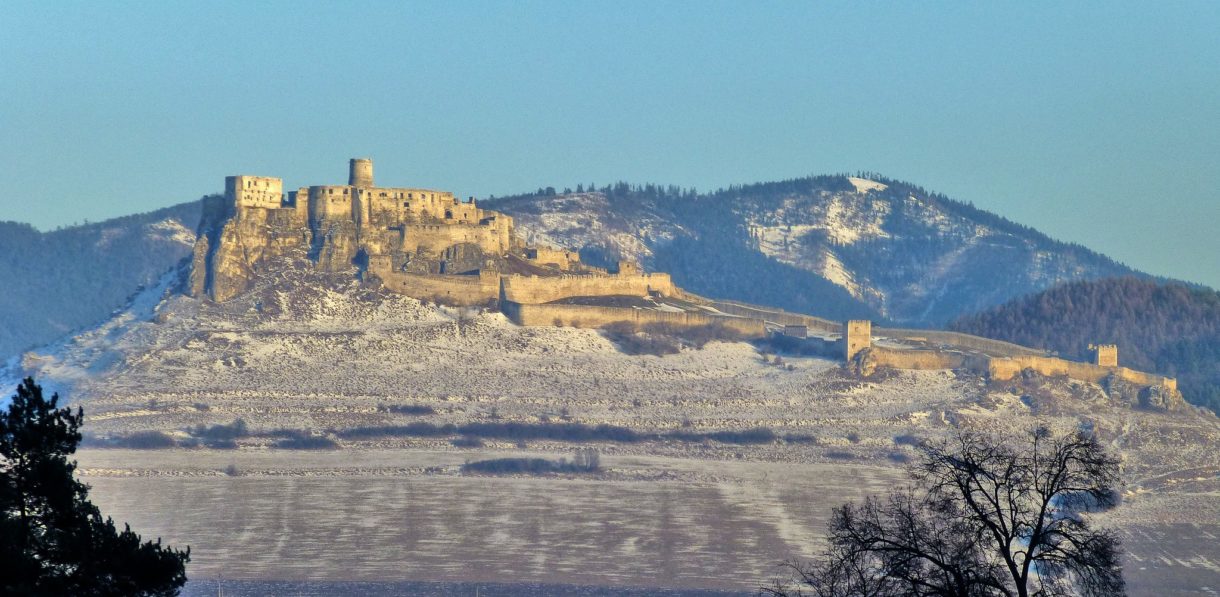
point(980, 519)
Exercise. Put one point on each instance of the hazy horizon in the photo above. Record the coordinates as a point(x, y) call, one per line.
point(1094, 123)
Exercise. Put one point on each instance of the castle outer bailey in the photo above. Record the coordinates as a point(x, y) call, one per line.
point(431, 245)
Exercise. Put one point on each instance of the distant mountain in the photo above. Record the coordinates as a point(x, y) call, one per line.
point(836, 246)
point(1167, 328)
point(66, 279)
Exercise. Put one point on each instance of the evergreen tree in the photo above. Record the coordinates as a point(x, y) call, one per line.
point(53, 541)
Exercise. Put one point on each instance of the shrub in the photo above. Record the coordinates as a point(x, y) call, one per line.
point(236, 429)
point(232, 471)
point(584, 460)
point(146, 440)
point(407, 409)
point(466, 442)
point(907, 439)
point(304, 441)
point(853, 437)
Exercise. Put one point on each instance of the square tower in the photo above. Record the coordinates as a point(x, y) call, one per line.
point(255, 191)
point(857, 335)
point(1104, 355)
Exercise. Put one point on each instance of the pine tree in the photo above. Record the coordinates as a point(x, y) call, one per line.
point(53, 541)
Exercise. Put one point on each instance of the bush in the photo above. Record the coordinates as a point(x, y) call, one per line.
point(907, 439)
point(236, 429)
point(407, 409)
point(305, 441)
point(584, 461)
point(146, 440)
point(466, 442)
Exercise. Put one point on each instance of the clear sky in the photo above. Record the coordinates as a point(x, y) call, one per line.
point(1097, 123)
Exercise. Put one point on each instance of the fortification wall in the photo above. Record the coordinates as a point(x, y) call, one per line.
point(586, 316)
point(533, 289)
point(918, 359)
point(1007, 368)
point(777, 316)
point(456, 290)
point(435, 238)
point(943, 338)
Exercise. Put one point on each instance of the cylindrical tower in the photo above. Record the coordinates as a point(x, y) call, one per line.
point(360, 172)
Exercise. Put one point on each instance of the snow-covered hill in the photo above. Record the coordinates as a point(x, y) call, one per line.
point(404, 392)
point(75, 277)
point(831, 245)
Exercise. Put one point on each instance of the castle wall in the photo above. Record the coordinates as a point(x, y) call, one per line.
point(454, 290)
point(534, 289)
point(434, 238)
point(917, 359)
point(587, 316)
point(943, 338)
point(1008, 368)
point(777, 316)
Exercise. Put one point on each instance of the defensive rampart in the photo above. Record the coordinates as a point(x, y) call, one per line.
point(587, 316)
point(917, 359)
point(1007, 368)
point(535, 289)
point(777, 316)
point(956, 339)
point(454, 290)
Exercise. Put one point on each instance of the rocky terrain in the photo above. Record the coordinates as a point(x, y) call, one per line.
point(358, 409)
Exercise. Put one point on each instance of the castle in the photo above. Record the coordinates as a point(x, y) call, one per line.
point(431, 245)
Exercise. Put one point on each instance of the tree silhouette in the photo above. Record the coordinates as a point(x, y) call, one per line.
point(981, 519)
point(53, 541)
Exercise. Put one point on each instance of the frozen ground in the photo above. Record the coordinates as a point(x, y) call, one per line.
point(305, 354)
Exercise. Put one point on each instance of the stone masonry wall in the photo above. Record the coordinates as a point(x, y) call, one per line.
point(534, 289)
point(586, 316)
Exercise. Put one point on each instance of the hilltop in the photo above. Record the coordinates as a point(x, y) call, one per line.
point(1168, 328)
point(71, 278)
point(838, 246)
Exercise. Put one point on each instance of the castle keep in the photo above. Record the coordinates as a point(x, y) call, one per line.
point(431, 245)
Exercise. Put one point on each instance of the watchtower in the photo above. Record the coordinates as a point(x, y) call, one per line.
point(857, 335)
point(1104, 355)
point(360, 172)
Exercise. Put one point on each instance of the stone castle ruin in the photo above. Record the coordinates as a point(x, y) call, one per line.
point(431, 245)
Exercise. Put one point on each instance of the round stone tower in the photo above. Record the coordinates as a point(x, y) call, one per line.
point(360, 172)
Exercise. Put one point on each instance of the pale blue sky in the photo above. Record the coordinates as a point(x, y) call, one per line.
point(1098, 123)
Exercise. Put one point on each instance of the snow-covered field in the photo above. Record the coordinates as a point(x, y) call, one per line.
point(317, 355)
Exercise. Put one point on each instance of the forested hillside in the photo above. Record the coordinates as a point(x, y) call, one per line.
point(1167, 328)
point(64, 279)
point(836, 246)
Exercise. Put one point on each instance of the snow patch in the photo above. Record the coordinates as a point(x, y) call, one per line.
point(864, 185)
